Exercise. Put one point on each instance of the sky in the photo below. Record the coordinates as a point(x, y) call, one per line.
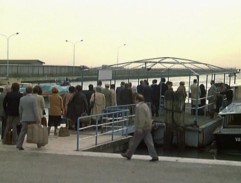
point(207, 31)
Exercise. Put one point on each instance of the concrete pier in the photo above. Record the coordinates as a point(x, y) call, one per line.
point(59, 162)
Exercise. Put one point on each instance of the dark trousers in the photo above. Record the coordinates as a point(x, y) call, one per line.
point(4, 122)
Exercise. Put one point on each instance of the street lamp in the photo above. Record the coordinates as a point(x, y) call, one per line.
point(74, 43)
point(7, 39)
point(118, 50)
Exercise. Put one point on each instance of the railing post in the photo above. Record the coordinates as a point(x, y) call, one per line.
point(96, 130)
point(112, 126)
point(127, 123)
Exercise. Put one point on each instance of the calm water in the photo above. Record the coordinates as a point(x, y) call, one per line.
point(175, 80)
point(204, 153)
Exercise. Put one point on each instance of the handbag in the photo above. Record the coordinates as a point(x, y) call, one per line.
point(37, 134)
point(86, 121)
point(9, 137)
point(44, 121)
point(64, 132)
point(92, 103)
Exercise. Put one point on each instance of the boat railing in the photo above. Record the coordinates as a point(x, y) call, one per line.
point(115, 124)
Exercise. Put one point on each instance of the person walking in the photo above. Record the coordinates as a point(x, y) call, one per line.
point(212, 96)
point(202, 99)
point(10, 105)
point(143, 125)
point(195, 95)
point(28, 113)
point(77, 106)
point(179, 115)
point(55, 110)
point(155, 98)
point(113, 95)
point(66, 100)
point(108, 99)
point(169, 116)
point(118, 92)
point(126, 96)
point(3, 116)
point(183, 93)
point(88, 94)
point(40, 101)
point(99, 104)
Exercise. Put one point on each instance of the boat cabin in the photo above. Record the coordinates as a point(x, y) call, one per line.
point(228, 137)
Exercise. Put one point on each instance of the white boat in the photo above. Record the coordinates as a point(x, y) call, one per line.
point(23, 86)
point(228, 136)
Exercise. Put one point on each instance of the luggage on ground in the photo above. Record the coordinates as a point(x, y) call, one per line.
point(64, 132)
point(37, 134)
point(9, 137)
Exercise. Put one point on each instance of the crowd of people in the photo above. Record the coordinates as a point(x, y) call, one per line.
point(17, 110)
point(219, 95)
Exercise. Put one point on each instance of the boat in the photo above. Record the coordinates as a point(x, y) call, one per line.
point(23, 86)
point(62, 82)
point(228, 136)
point(47, 89)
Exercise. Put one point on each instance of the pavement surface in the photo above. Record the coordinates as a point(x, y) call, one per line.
point(52, 164)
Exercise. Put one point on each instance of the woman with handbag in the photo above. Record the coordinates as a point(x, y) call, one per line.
point(98, 100)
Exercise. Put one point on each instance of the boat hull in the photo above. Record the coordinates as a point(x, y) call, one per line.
point(228, 141)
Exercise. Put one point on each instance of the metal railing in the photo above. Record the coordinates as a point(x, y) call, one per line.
point(115, 123)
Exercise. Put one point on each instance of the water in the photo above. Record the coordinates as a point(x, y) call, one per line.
point(201, 153)
point(175, 80)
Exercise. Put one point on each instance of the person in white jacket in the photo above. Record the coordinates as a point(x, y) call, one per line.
point(143, 125)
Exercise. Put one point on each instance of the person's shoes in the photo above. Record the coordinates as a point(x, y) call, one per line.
point(20, 148)
point(154, 159)
point(125, 156)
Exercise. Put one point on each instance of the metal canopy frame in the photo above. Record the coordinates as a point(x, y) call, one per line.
point(171, 64)
point(176, 67)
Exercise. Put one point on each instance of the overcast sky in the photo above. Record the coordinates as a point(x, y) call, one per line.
point(206, 31)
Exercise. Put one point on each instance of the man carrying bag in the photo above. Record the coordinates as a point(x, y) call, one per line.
point(28, 115)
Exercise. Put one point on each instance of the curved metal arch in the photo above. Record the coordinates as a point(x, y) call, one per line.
point(169, 63)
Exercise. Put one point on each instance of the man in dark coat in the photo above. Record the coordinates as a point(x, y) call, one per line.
point(155, 97)
point(11, 108)
point(147, 92)
point(118, 91)
point(126, 96)
point(88, 94)
point(77, 106)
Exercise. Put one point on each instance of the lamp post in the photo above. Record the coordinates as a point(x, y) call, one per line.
point(8, 39)
point(74, 43)
point(118, 51)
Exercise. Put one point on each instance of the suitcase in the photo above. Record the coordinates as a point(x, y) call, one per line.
point(37, 134)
